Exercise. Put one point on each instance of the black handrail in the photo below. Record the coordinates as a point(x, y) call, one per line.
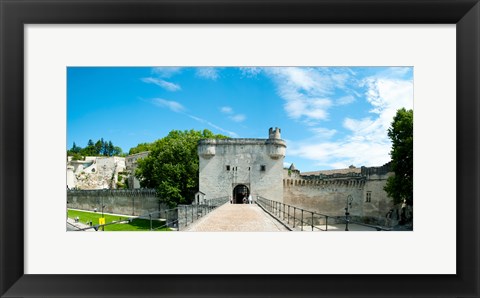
point(284, 211)
point(305, 218)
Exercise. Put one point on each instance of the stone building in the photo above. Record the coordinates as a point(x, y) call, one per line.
point(236, 168)
point(326, 192)
point(131, 162)
point(94, 172)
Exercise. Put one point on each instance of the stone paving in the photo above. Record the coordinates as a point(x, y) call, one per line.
point(75, 226)
point(237, 218)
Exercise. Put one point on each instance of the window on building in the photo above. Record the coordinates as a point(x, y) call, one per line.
point(228, 168)
point(262, 168)
point(368, 198)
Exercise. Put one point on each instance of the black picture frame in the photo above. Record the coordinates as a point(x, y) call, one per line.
point(15, 13)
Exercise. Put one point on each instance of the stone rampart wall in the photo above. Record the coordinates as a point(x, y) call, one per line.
point(128, 202)
point(328, 196)
point(325, 197)
point(327, 193)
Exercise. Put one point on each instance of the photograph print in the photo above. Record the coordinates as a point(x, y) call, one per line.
point(240, 149)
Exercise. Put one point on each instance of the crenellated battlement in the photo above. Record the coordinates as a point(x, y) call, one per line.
point(274, 133)
point(383, 170)
point(275, 147)
point(351, 182)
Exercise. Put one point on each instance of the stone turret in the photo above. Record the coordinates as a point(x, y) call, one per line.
point(274, 133)
point(276, 146)
point(206, 148)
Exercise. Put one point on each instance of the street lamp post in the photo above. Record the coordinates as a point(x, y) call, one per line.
point(348, 204)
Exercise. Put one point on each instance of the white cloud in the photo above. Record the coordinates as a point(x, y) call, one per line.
point(250, 72)
point(226, 110)
point(323, 133)
point(210, 73)
point(230, 133)
point(166, 71)
point(345, 100)
point(341, 154)
point(179, 108)
point(386, 94)
point(229, 111)
point(172, 105)
point(238, 118)
point(306, 91)
point(162, 83)
point(366, 142)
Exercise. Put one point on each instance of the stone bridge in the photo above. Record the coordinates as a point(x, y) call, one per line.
point(262, 218)
point(237, 218)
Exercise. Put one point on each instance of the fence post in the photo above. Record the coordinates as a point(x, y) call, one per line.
point(326, 223)
point(301, 222)
point(312, 221)
point(288, 215)
point(150, 215)
point(294, 211)
point(186, 215)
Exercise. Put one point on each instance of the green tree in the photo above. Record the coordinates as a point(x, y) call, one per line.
point(400, 186)
point(117, 151)
point(142, 147)
point(172, 166)
point(89, 150)
point(99, 148)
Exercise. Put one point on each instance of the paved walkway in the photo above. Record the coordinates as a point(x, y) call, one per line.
point(237, 218)
point(75, 226)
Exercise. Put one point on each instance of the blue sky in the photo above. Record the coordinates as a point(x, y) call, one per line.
point(331, 117)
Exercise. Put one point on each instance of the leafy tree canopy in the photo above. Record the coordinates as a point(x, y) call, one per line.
point(142, 147)
point(400, 186)
point(172, 166)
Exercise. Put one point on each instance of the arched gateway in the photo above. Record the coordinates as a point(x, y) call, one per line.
point(240, 194)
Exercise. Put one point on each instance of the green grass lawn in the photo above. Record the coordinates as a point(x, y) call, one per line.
point(136, 224)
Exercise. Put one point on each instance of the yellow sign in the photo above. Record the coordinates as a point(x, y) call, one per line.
point(101, 221)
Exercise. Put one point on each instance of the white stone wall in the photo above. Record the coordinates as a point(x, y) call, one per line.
point(95, 172)
point(325, 197)
point(71, 180)
point(380, 203)
point(329, 196)
point(131, 163)
point(245, 158)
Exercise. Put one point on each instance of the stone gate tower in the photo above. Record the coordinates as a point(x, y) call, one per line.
point(239, 167)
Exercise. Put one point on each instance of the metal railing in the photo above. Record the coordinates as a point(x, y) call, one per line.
point(300, 219)
point(295, 217)
point(188, 214)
